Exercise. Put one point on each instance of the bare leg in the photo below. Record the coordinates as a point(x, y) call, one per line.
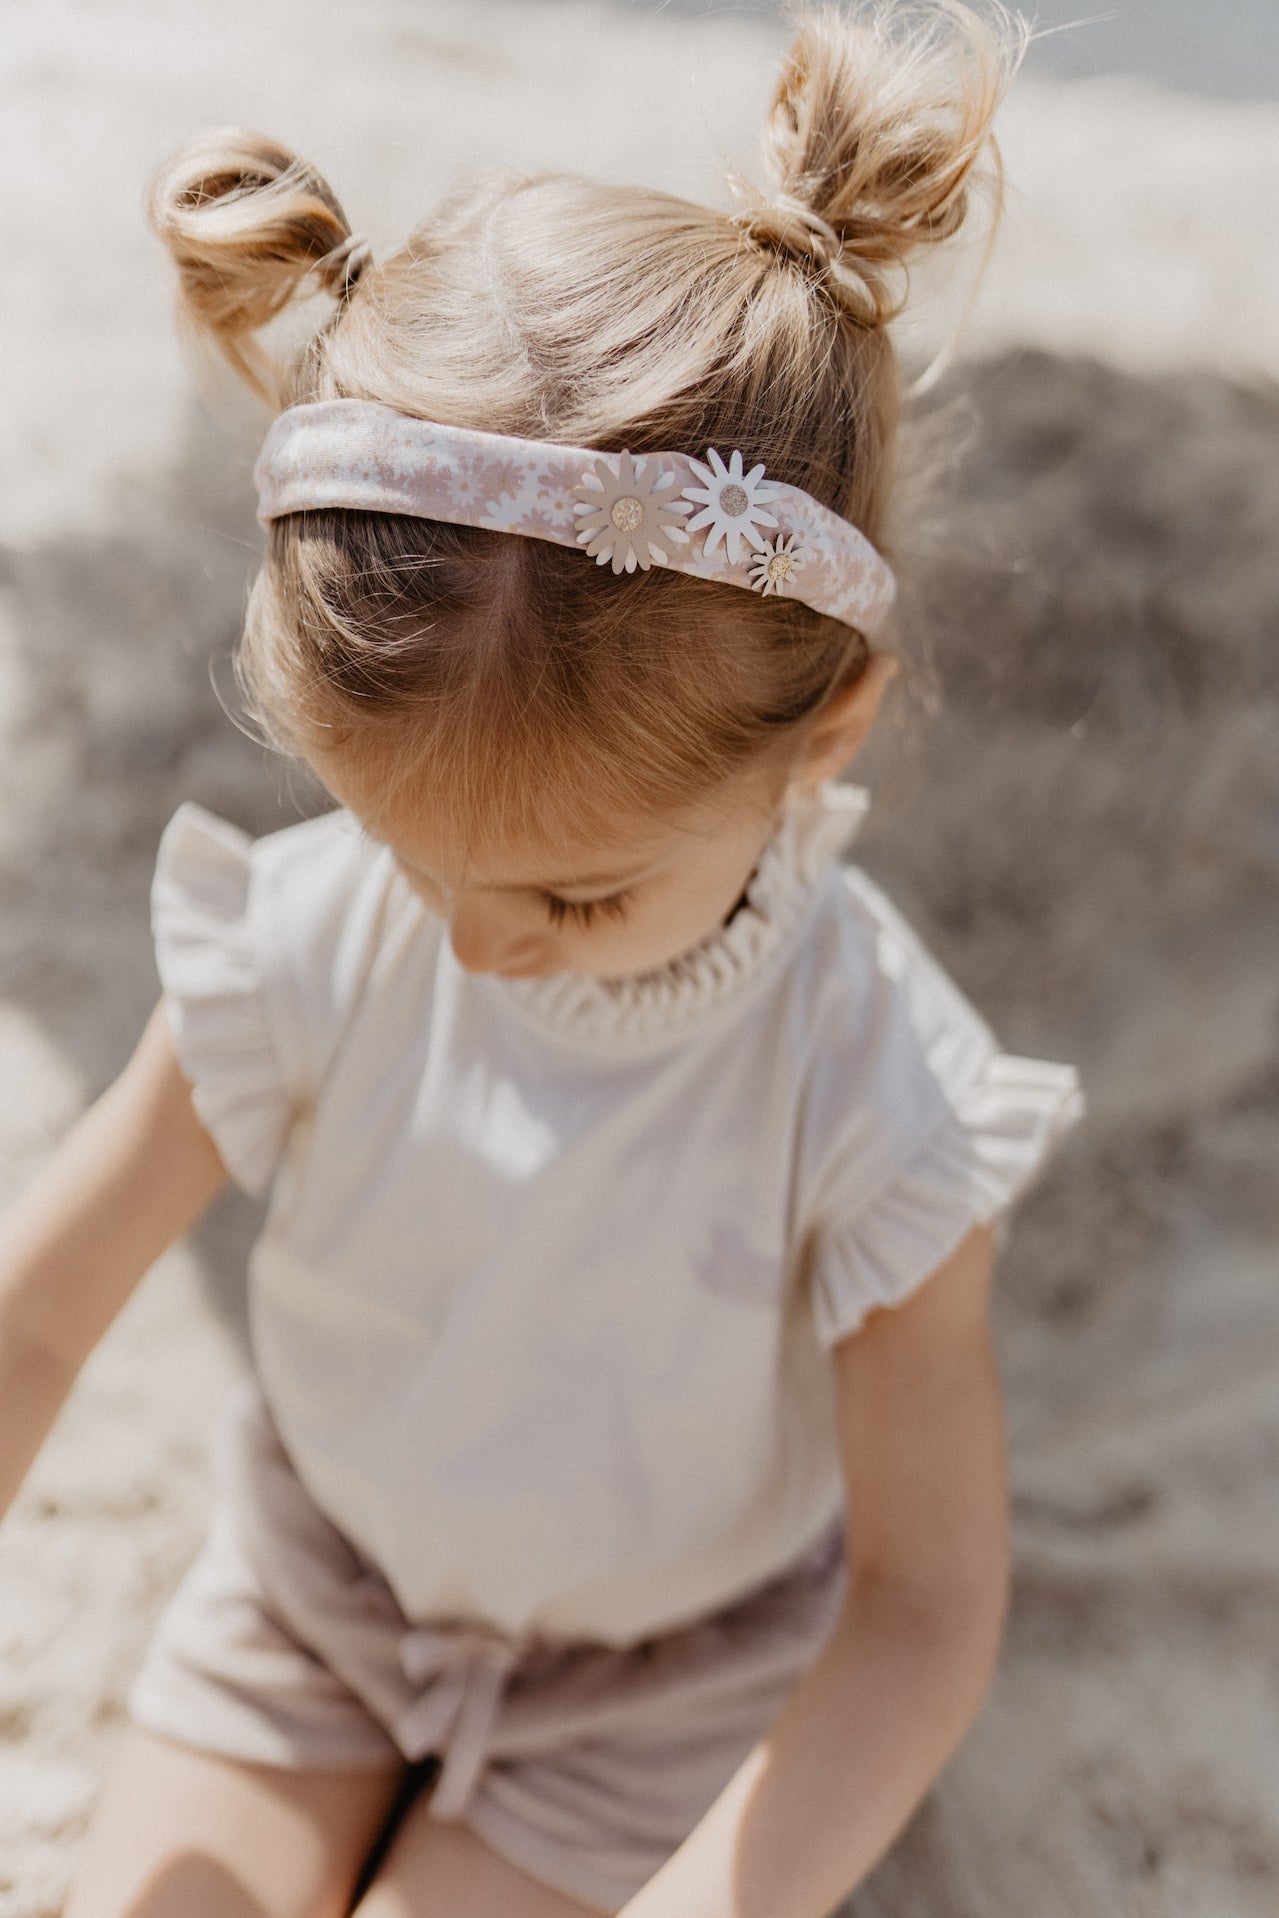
point(180, 1833)
point(443, 1870)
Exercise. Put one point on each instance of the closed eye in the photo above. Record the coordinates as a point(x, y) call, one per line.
point(584, 911)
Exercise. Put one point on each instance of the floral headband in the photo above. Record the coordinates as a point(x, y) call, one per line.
point(624, 510)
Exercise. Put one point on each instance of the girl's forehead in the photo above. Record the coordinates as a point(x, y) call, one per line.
point(548, 839)
point(558, 855)
point(493, 857)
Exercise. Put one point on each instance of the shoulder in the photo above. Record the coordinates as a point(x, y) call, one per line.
point(892, 1040)
point(295, 920)
point(292, 883)
point(320, 857)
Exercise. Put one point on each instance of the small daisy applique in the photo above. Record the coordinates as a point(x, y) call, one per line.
point(630, 513)
point(732, 503)
point(775, 565)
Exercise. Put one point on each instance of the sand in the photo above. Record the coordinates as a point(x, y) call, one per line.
point(1086, 829)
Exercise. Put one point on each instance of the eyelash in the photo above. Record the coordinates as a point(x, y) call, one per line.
point(583, 911)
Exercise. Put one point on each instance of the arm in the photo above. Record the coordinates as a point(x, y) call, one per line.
point(905, 1671)
point(130, 1176)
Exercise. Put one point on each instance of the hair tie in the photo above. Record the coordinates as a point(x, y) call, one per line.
point(340, 268)
point(785, 224)
point(788, 224)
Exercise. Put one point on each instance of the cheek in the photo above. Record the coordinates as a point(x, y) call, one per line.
point(651, 936)
point(702, 904)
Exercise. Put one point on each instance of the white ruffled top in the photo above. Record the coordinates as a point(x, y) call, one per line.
point(552, 1268)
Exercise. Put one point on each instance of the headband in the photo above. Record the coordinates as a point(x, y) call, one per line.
point(713, 520)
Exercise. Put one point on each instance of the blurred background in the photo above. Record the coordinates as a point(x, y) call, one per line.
point(1077, 803)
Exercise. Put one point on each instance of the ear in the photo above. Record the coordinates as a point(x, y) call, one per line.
point(844, 722)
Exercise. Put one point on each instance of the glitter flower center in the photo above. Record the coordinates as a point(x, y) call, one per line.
point(628, 513)
point(775, 566)
point(734, 500)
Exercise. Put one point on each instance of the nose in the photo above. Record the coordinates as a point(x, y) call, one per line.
point(482, 944)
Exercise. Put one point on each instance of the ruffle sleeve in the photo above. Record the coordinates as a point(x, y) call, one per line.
point(921, 1126)
point(976, 1163)
point(213, 969)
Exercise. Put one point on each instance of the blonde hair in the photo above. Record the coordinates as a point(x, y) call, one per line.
point(505, 677)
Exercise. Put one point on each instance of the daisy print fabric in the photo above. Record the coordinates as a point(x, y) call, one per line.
point(718, 519)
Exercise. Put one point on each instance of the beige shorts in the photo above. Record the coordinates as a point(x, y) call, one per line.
point(583, 1765)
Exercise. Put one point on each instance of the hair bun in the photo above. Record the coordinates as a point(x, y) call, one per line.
point(249, 224)
point(878, 128)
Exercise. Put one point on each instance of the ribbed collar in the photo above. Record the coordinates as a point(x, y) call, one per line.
point(618, 1013)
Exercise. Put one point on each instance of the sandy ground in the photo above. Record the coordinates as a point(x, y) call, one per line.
point(1086, 828)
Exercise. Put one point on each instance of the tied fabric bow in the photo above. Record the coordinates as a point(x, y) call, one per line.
point(455, 1716)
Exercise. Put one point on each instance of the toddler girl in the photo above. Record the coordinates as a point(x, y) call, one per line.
point(621, 1469)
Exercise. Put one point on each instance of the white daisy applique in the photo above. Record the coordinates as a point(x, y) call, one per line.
point(629, 513)
point(732, 504)
point(776, 564)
